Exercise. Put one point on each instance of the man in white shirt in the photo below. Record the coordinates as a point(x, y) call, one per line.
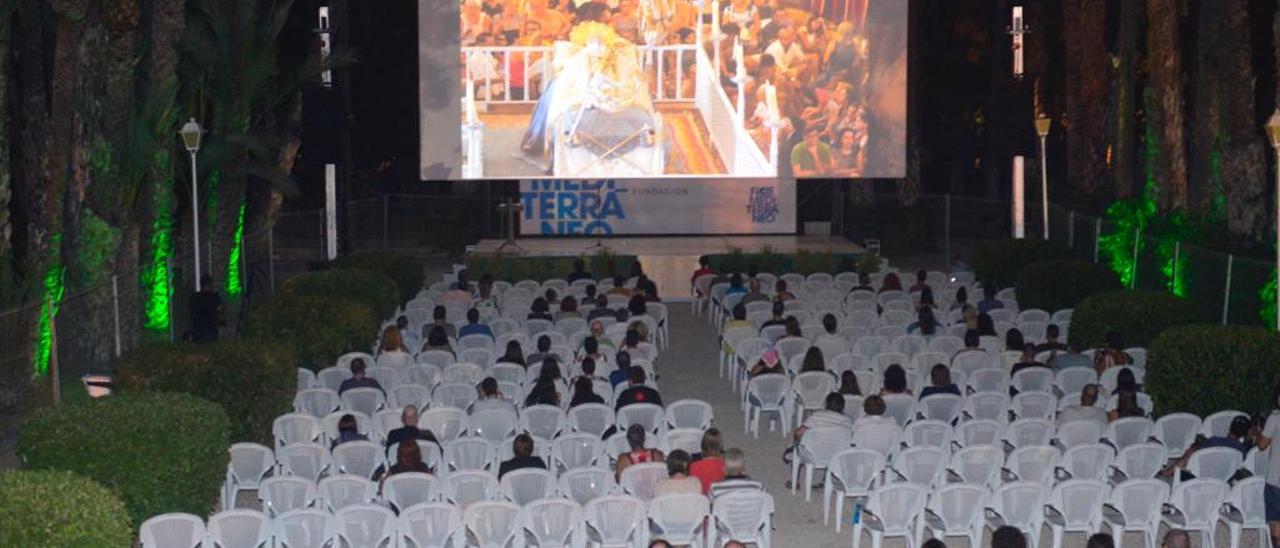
point(1086, 411)
point(873, 409)
point(1271, 493)
point(832, 415)
point(788, 54)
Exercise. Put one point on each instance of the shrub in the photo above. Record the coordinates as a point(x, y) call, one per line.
point(55, 509)
point(1138, 315)
point(405, 270)
point(808, 262)
point(317, 329)
point(367, 286)
point(1000, 263)
point(253, 381)
point(1202, 369)
point(514, 269)
point(1054, 285)
point(160, 452)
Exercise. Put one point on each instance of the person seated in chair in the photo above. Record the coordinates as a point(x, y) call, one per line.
point(638, 453)
point(777, 318)
point(474, 327)
point(410, 430)
point(678, 479)
point(638, 392)
point(359, 379)
point(491, 398)
point(579, 272)
point(940, 382)
point(523, 457)
point(1240, 436)
point(1087, 410)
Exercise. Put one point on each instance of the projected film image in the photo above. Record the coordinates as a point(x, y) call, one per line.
point(578, 89)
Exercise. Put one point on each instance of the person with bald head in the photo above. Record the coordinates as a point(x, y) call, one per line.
point(410, 430)
point(1176, 538)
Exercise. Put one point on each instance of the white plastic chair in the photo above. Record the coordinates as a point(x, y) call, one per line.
point(1033, 464)
point(850, 474)
point(365, 526)
point(809, 391)
point(681, 519)
point(283, 494)
point(1141, 461)
point(343, 490)
point(173, 530)
point(772, 392)
point(1019, 504)
point(894, 510)
point(544, 421)
point(925, 466)
point(744, 516)
point(304, 528)
point(1090, 461)
point(553, 523)
point(1218, 424)
point(1029, 432)
point(817, 446)
point(329, 377)
point(591, 418)
point(928, 433)
point(639, 480)
point(978, 465)
point(900, 407)
point(980, 432)
point(447, 423)
point(469, 454)
point(583, 485)
point(1075, 506)
point(1037, 379)
point(648, 415)
point(956, 510)
point(1244, 511)
point(1134, 507)
point(1194, 506)
point(1128, 431)
point(1176, 431)
point(1216, 463)
point(689, 413)
point(249, 464)
point(1077, 433)
point(572, 451)
point(492, 524)
point(1035, 405)
point(616, 521)
point(940, 407)
point(413, 394)
point(304, 460)
point(465, 487)
point(1072, 380)
point(493, 425)
point(410, 489)
point(988, 406)
point(458, 395)
point(687, 439)
point(295, 428)
point(527, 485)
point(988, 379)
point(317, 402)
point(431, 524)
point(240, 529)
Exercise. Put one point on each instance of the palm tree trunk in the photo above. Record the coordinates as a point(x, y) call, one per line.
point(1084, 21)
point(1165, 104)
point(1245, 183)
point(1123, 120)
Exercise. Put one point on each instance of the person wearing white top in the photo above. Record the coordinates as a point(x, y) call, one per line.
point(788, 54)
point(1271, 492)
point(873, 409)
point(832, 415)
point(1086, 410)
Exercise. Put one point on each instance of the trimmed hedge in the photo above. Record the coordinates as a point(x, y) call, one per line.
point(802, 262)
point(57, 509)
point(160, 452)
point(1054, 285)
point(404, 270)
point(1205, 368)
point(367, 286)
point(317, 329)
point(514, 269)
point(1139, 316)
point(253, 381)
point(1000, 263)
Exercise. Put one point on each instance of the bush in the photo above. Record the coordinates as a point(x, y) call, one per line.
point(1138, 315)
point(54, 509)
point(404, 270)
point(1202, 369)
point(1054, 285)
point(367, 286)
point(317, 329)
point(1000, 263)
point(160, 452)
point(253, 381)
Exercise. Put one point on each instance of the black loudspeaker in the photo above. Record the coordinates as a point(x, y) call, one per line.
point(321, 125)
point(1011, 117)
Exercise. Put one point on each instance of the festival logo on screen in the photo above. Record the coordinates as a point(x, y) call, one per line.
point(574, 207)
point(763, 204)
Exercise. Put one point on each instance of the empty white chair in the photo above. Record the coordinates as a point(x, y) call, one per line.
point(1029, 432)
point(493, 425)
point(648, 415)
point(1137, 503)
point(303, 528)
point(1128, 431)
point(1176, 431)
point(771, 392)
point(689, 413)
point(469, 454)
point(1019, 504)
point(809, 391)
point(1039, 379)
point(988, 379)
point(458, 395)
point(388, 376)
point(465, 487)
point(282, 494)
point(1141, 461)
point(879, 437)
point(307, 379)
point(680, 519)
point(639, 480)
point(1076, 433)
point(250, 463)
point(850, 474)
point(583, 485)
point(744, 516)
point(360, 458)
point(970, 361)
point(591, 418)
point(572, 451)
point(409, 489)
point(1244, 510)
point(240, 529)
point(979, 465)
point(946, 344)
point(1195, 505)
point(329, 377)
point(928, 433)
point(317, 402)
point(554, 523)
point(416, 395)
point(304, 460)
point(900, 407)
point(527, 485)
point(431, 524)
point(343, 490)
point(1216, 463)
point(1035, 405)
point(616, 521)
point(687, 439)
point(447, 423)
point(1033, 463)
point(924, 466)
point(365, 525)
point(988, 406)
point(1091, 461)
point(173, 530)
point(439, 358)
point(543, 421)
point(295, 428)
point(956, 510)
point(1075, 506)
point(1073, 379)
point(422, 374)
point(492, 524)
point(941, 407)
point(980, 432)
point(893, 510)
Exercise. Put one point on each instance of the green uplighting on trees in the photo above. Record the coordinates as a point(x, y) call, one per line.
point(53, 287)
point(1268, 296)
point(234, 284)
point(157, 287)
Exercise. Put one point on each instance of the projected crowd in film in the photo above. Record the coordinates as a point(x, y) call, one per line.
point(574, 89)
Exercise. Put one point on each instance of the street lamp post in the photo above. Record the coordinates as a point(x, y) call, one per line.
point(191, 133)
point(1043, 123)
point(1273, 133)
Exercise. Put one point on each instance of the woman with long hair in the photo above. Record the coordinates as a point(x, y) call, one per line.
point(890, 283)
point(813, 360)
point(391, 340)
point(926, 324)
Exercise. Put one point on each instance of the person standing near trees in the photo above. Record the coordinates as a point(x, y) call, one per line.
point(1266, 439)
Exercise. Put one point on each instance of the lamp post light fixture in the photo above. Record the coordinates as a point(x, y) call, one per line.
point(1043, 124)
point(1273, 134)
point(191, 133)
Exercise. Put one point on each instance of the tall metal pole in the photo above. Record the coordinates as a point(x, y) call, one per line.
point(1277, 149)
point(1044, 187)
point(1017, 29)
point(195, 219)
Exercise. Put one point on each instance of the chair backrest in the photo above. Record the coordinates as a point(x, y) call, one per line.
point(1033, 463)
point(1139, 500)
point(304, 460)
point(582, 485)
point(616, 519)
point(1199, 501)
point(639, 480)
point(1080, 501)
point(980, 432)
point(365, 525)
point(1021, 504)
point(1129, 431)
point(648, 415)
point(281, 494)
point(1033, 379)
point(687, 439)
point(856, 468)
point(988, 406)
point(249, 463)
point(591, 418)
point(359, 458)
point(527, 485)
point(811, 388)
point(960, 505)
point(689, 413)
point(492, 524)
point(1247, 496)
point(1141, 461)
point(1073, 379)
point(317, 402)
point(978, 465)
point(1029, 432)
point(544, 421)
point(899, 506)
point(928, 433)
point(771, 390)
point(551, 521)
point(901, 407)
point(1035, 404)
point(304, 528)
point(342, 490)
point(941, 407)
point(879, 437)
point(745, 515)
point(1218, 424)
point(469, 454)
point(494, 425)
point(577, 450)
point(330, 377)
point(466, 487)
point(446, 423)
point(430, 524)
point(173, 529)
point(410, 488)
point(924, 466)
point(680, 516)
point(295, 428)
point(413, 394)
point(988, 379)
point(1176, 431)
point(1218, 463)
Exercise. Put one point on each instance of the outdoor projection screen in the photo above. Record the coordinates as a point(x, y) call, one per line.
point(640, 89)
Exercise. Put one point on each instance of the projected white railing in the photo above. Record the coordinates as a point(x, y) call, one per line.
point(737, 149)
point(515, 68)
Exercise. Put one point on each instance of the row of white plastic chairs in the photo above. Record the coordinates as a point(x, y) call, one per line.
point(435, 366)
point(615, 520)
point(514, 316)
point(843, 282)
point(892, 323)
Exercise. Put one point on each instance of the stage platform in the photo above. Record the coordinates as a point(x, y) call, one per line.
point(669, 260)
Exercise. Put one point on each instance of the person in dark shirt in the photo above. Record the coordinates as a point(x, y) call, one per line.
point(623, 372)
point(584, 392)
point(474, 327)
point(408, 459)
point(864, 283)
point(638, 393)
point(410, 430)
point(579, 272)
point(540, 310)
point(779, 308)
point(206, 311)
point(522, 447)
point(358, 378)
point(544, 350)
point(1028, 359)
point(940, 382)
point(989, 301)
point(602, 309)
point(1051, 342)
point(1238, 437)
point(348, 430)
point(921, 284)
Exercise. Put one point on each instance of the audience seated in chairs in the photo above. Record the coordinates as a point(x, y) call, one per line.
point(638, 392)
point(849, 385)
point(348, 430)
point(410, 430)
point(584, 392)
point(708, 467)
point(678, 479)
point(623, 372)
point(474, 327)
point(491, 398)
point(1087, 409)
point(940, 382)
point(408, 459)
point(359, 379)
point(522, 449)
point(638, 453)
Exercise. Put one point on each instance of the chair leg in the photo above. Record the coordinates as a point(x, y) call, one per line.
point(808, 481)
point(795, 470)
point(1057, 536)
point(857, 535)
point(1235, 534)
point(826, 502)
